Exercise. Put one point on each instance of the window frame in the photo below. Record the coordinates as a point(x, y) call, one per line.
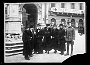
point(81, 6)
point(53, 5)
point(62, 5)
point(72, 5)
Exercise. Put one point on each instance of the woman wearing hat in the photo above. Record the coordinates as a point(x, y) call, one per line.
point(61, 39)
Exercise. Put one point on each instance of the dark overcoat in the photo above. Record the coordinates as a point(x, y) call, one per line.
point(61, 40)
point(27, 42)
point(55, 39)
point(47, 39)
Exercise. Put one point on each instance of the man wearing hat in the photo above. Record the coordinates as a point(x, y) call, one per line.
point(70, 36)
point(27, 43)
point(61, 39)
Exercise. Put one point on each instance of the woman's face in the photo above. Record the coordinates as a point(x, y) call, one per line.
point(61, 26)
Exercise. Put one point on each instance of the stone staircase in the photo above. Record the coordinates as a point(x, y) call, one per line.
point(13, 48)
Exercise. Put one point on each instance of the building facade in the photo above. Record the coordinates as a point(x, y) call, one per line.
point(67, 11)
point(16, 14)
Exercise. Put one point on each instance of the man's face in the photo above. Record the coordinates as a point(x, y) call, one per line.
point(62, 22)
point(69, 24)
point(52, 23)
point(31, 28)
point(27, 29)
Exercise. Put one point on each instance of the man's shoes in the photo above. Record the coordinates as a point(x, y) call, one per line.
point(55, 51)
point(66, 54)
point(41, 52)
point(48, 52)
point(71, 54)
point(35, 53)
point(62, 53)
point(27, 58)
point(45, 51)
point(31, 55)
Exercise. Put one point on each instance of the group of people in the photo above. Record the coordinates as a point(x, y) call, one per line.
point(47, 39)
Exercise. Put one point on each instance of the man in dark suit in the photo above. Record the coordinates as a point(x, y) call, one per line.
point(27, 43)
point(47, 38)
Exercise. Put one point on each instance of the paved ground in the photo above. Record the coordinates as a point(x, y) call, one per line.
point(79, 48)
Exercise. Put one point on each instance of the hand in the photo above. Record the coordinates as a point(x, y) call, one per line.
point(65, 36)
point(51, 36)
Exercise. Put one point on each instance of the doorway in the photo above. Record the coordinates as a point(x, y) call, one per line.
point(80, 22)
point(31, 15)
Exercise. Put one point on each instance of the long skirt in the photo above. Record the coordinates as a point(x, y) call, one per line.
point(40, 46)
point(61, 45)
point(48, 45)
point(55, 43)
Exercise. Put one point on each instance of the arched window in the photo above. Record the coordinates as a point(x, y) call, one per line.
point(53, 20)
point(63, 21)
point(73, 22)
point(80, 22)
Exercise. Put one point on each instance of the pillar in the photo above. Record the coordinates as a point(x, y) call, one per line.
point(47, 9)
point(43, 13)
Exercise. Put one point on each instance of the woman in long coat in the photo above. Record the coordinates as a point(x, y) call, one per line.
point(47, 40)
point(55, 39)
point(61, 39)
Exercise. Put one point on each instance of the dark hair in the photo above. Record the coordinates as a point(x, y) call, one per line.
point(61, 25)
point(31, 26)
point(47, 24)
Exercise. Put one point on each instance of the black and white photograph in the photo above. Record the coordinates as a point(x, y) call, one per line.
point(44, 32)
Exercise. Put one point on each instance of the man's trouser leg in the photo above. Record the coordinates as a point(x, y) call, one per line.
point(72, 47)
point(67, 47)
